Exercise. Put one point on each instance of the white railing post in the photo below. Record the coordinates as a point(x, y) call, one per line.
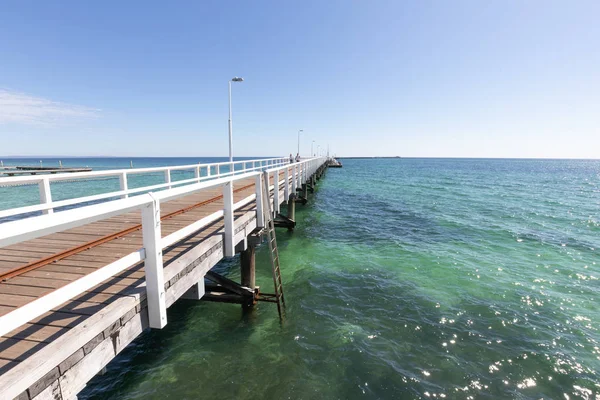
point(276, 209)
point(208, 170)
point(294, 180)
point(197, 173)
point(168, 177)
point(153, 265)
point(218, 170)
point(45, 194)
point(286, 186)
point(260, 218)
point(123, 184)
point(228, 241)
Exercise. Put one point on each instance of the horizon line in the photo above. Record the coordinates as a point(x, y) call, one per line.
point(341, 157)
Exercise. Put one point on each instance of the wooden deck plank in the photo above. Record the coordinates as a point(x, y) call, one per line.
point(37, 333)
point(18, 349)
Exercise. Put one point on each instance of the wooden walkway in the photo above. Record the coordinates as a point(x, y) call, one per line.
point(70, 344)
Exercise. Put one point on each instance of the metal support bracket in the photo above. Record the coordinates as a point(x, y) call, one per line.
point(284, 222)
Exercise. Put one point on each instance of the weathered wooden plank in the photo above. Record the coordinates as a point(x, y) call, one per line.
point(77, 377)
point(52, 392)
point(15, 300)
point(18, 378)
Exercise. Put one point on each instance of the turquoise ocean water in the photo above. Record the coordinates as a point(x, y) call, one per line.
point(405, 279)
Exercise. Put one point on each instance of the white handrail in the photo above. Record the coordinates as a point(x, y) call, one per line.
point(19, 180)
point(151, 252)
point(48, 206)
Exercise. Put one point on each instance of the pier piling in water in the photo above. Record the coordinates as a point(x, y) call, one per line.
point(291, 207)
point(248, 270)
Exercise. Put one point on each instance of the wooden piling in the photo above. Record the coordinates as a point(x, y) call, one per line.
point(291, 208)
point(248, 270)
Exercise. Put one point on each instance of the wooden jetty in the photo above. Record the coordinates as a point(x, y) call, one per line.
point(77, 286)
point(28, 170)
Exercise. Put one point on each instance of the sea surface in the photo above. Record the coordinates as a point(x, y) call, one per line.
point(405, 279)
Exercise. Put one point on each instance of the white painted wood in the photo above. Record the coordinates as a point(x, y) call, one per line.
point(123, 184)
point(228, 219)
point(244, 201)
point(45, 194)
point(188, 230)
point(168, 177)
point(197, 173)
point(41, 305)
point(61, 203)
point(286, 188)
point(294, 180)
point(34, 227)
point(260, 218)
point(33, 179)
point(153, 265)
point(9, 181)
point(276, 194)
point(184, 191)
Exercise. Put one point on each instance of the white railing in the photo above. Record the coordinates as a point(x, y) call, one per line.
point(151, 253)
point(202, 172)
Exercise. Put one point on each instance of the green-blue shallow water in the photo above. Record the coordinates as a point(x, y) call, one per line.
point(406, 278)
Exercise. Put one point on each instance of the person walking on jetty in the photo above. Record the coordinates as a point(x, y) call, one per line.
point(291, 158)
point(297, 157)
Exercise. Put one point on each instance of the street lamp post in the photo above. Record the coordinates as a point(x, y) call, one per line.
point(312, 153)
point(301, 130)
point(236, 79)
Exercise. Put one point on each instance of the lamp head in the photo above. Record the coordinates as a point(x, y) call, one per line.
point(237, 79)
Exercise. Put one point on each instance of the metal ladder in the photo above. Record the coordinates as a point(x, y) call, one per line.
point(273, 251)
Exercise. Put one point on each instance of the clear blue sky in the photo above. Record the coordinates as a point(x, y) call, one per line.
point(372, 78)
